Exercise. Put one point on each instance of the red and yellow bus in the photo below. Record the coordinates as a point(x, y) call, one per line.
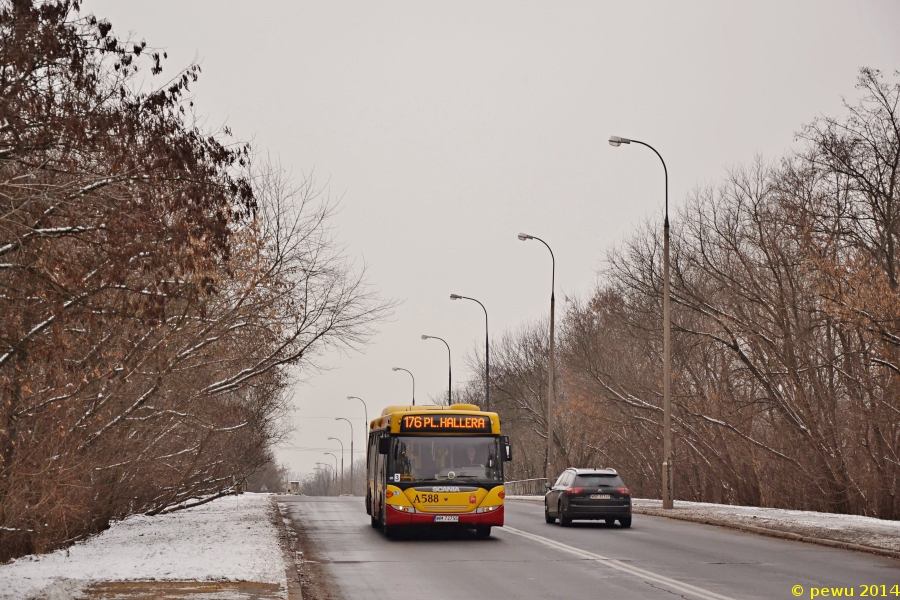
point(437, 466)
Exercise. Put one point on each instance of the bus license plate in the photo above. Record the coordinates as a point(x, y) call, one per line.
point(446, 518)
point(599, 496)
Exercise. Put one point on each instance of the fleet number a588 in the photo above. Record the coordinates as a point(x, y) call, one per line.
point(426, 498)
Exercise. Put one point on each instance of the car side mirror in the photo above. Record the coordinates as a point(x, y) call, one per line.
point(384, 445)
point(547, 485)
point(506, 449)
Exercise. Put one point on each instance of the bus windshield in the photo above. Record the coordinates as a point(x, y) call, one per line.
point(419, 458)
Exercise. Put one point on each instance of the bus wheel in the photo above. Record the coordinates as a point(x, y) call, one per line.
point(483, 531)
point(375, 522)
point(385, 528)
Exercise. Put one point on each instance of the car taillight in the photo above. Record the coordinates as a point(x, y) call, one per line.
point(573, 491)
point(623, 491)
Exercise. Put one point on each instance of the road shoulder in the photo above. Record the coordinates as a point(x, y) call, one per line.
point(311, 578)
point(290, 549)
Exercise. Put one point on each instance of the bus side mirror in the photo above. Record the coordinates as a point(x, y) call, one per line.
point(506, 448)
point(384, 445)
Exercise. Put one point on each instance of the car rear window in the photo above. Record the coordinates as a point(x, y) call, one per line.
point(598, 480)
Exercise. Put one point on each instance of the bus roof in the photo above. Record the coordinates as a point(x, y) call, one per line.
point(437, 419)
point(406, 408)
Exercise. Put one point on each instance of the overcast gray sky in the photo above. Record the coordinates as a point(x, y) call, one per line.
point(447, 128)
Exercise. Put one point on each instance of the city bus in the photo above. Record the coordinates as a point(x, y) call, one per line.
point(436, 466)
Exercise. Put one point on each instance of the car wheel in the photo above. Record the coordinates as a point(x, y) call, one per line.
point(564, 521)
point(547, 516)
point(483, 531)
point(625, 522)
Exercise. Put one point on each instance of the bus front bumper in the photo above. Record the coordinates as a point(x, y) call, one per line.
point(472, 519)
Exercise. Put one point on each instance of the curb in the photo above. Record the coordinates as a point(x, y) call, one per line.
point(786, 535)
point(286, 541)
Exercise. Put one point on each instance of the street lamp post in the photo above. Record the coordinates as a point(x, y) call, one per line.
point(413, 380)
point(365, 408)
point(342, 461)
point(323, 469)
point(449, 367)
point(551, 388)
point(667, 475)
point(351, 450)
point(487, 352)
point(326, 470)
point(335, 464)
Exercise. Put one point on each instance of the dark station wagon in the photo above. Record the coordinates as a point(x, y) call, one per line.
point(588, 494)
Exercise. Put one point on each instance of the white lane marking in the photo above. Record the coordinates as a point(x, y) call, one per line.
point(620, 566)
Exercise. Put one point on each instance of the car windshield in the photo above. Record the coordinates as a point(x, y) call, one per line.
point(418, 458)
point(599, 480)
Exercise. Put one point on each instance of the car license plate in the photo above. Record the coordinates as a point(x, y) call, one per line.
point(599, 496)
point(446, 518)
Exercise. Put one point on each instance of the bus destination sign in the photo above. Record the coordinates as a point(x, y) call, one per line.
point(444, 424)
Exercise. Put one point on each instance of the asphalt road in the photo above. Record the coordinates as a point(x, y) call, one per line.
point(656, 558)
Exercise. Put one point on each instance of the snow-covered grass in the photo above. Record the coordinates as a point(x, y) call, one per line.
point(853, 529)
point(229, 539)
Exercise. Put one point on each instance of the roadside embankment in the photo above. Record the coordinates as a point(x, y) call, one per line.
point(228, 547)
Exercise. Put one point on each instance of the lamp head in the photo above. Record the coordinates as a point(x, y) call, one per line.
point(615, 140)
point(525, 236)
point(395, 368)
point(455, 297)
point(425, 337)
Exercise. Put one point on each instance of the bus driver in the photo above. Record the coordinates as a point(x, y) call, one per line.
point(471, 451)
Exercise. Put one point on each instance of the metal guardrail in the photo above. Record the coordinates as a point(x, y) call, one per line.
point(525, 487)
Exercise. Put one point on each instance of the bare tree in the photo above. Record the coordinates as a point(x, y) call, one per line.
point(785, 349)
point(155, 288)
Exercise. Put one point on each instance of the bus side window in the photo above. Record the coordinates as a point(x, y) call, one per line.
point(379, 464)
point(373, 452)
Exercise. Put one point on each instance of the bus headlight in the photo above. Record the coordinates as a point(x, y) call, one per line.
point(406, 509)
point(486, 509)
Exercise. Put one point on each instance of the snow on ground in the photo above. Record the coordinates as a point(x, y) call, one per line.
point(229, 539)
point(865, 531)
point(854, 529)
